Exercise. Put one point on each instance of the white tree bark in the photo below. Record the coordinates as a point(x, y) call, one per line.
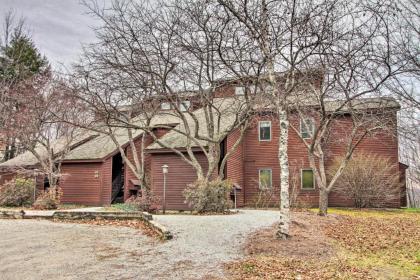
point(283, 230)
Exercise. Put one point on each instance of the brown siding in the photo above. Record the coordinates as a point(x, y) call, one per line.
point(129, 175)
point(7, 176)
point(264, 155)
point(180, 175)
point(383, 143)
point(403, 169)
point(80, 184)
point(106, 186)
point(235, 165)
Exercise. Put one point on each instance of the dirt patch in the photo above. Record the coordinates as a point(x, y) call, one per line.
point(308, 239)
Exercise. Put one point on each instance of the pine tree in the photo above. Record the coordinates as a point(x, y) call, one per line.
point(20, 62)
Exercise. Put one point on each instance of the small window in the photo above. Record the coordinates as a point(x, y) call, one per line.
point(307, 179)
point(265, 178)
point(265, 131)
point(185, 105)
point(239, 90)
point(306, 128)
point(165, 106)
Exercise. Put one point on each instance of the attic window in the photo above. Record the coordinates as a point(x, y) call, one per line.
point(307, 128)
point(264, 130)
point(165, 106)
point(185, 105)
point(239, 90)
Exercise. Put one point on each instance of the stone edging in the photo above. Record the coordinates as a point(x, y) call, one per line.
point(160, 229)
point(11, 214)
point(79, 215)
point(76, 215)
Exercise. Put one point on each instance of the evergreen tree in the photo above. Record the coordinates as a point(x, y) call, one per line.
point(20, 65)
point(20, 60)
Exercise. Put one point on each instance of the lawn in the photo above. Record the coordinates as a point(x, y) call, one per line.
point(347, 244)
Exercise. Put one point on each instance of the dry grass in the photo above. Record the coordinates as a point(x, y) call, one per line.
point(347, 244)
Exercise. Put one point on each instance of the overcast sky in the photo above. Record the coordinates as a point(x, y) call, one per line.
point(58, 27)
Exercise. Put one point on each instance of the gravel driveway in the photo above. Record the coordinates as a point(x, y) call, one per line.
point(42, 249)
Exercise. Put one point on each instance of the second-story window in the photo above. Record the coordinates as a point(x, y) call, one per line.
point(185, 105)
point(307, 128)
point(265, 130)
point(165, 106)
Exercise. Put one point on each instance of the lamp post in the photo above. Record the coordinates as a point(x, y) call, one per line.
point(165, 169)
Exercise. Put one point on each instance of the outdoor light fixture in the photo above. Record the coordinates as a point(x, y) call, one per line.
point(165, 170)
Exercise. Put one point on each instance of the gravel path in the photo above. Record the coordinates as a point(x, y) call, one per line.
point(42, 249)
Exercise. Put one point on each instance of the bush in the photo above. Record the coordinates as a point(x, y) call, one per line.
point(213, 196)
point(265, 196)
point(147, 202)
point(49, 199)
point(369, 180)
point(16, 193)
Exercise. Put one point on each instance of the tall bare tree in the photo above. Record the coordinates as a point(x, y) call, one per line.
point(153, 53)
point(40, 124)
point(357, 58)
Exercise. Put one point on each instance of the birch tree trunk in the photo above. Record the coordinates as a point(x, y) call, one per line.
point(323, 202)
point(283, 230)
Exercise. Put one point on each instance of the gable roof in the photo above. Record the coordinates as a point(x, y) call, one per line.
point(28, 159)
point(226, 108)
point(89, 145)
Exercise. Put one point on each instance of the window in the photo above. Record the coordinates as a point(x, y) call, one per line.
point(307, 179)
point(306, 128)
point(165, 106)
point(239, 90)
point(265, 178)
point(265, 130)
point(185, 105)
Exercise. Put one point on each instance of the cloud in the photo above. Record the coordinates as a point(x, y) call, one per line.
point(58, 27)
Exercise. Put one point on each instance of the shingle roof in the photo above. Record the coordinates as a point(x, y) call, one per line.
point(28, 159)
point(174, 139)
point(226, 108)
point(90, 145)
point(103, 145)
point(94, 146)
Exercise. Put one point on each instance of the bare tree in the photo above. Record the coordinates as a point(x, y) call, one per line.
point(38, 124)
point(352, 59)
point(264, 24)
point(409, 136)
point(154, 53)
point(407, 91)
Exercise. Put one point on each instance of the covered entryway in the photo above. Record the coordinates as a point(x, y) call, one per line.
point(117, 194)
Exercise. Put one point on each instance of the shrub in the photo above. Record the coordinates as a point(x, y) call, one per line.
point(369, 180)
point(209, 196)
point(147, 202)
point(49, 199)
point(18, 192)
point(265, 196)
